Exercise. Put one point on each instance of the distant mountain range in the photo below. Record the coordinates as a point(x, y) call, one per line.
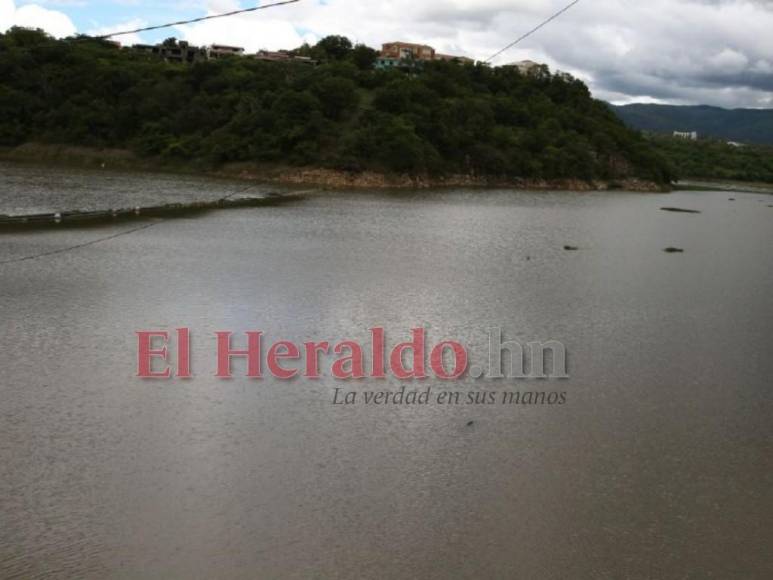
point(741, 125)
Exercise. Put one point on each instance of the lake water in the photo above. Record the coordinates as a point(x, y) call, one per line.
point(27, 189)
point(659, 465)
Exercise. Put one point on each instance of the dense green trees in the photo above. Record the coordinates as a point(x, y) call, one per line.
point(444, 117)
point(714, 159)
point(742, 125)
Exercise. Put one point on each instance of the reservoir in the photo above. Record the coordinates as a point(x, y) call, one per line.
point(659, 464)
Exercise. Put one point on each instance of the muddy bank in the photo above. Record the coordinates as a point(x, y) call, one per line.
point(723, 185)
point(335, 179)
point(89, 157)
point(319, 177)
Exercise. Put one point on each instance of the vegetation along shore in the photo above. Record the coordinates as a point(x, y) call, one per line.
point(342, 122)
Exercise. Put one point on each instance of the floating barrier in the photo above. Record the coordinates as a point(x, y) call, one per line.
point(169, 210)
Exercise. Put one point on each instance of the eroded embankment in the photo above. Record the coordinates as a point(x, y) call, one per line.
point(312, 176)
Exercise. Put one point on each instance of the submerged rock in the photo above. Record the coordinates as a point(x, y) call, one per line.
point(672, 250)
point(680, 210)
point(571, 248)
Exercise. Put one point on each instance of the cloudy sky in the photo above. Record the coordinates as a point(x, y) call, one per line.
point(717, 52)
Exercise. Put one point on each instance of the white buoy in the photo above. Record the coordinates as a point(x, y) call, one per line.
point(57, 217)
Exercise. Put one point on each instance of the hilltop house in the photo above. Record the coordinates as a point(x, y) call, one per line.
point(408, 54)
point(689, 135)
point(281, 56)
point(173, 51)
point(221, 50)
point(453, 57)
point(407, 50)
point(525, 67)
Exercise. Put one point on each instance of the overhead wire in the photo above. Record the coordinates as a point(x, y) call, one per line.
point(195, 20)
point(532, 31)
point(225, 15)
point(134, 31)
point(107, 36)
point(78, 246)
point(110, 237)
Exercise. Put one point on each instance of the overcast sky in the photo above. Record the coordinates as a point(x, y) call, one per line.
point(717, 52)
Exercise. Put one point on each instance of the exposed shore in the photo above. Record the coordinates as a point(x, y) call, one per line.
point(724, 185)
point(288, 175)
point(336, 179)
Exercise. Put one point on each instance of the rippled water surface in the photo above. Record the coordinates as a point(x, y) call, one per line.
point(30, 189)
point(659, 465)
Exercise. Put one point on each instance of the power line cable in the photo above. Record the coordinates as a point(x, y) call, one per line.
point(532, 31)
point(85, 37)
point(239, 191)
point(110, 237)
point(194, 20)
point(82, 245)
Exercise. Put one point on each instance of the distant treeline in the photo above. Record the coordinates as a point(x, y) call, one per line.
point(742, 125)
point(714, 159)
point(442, 118)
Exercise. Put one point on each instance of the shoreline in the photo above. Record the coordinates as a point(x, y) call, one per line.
point(122, 159)
point(728, 185)
point(342, 180)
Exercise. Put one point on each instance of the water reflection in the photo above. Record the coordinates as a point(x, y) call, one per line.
point(658, 466)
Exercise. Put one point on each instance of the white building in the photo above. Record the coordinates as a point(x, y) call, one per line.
point(526, 67)
point(690, 135)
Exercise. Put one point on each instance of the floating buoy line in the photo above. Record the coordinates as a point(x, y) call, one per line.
point(159, 214)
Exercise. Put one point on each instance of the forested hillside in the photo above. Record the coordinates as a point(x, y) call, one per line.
point(442, 118)
point(714, 159)
point(741, 125)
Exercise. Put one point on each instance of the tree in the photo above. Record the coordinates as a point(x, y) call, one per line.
point(440, 117)
point(335, 47)
point(338, 96)
point(364, 57)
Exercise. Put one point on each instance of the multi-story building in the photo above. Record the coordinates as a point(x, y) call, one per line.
point(272, 56)
point(407, 51)
point(173, 51)
point(409, 55)
point(525, 67)
point(383, 62)
point(454, 58)
point(281, 56)
point(221, 50)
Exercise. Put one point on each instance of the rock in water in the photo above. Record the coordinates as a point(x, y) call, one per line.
point(672, 250)
point(680, 210)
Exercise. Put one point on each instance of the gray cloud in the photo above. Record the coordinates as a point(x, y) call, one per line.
point(717, 52)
